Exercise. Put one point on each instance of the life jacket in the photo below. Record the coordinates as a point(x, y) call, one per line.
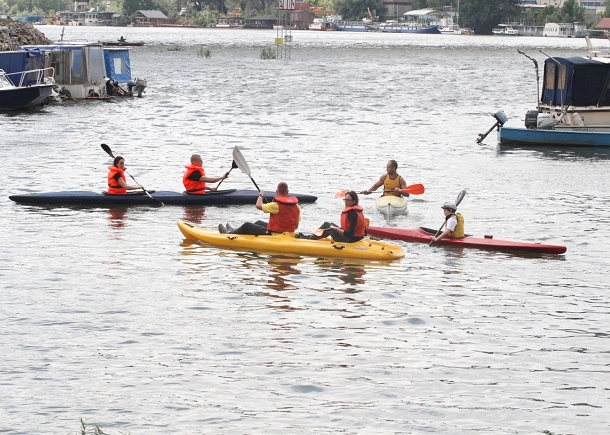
point(459, 228)
point(193, 187)
point(287, 219)
point(360, 230)
point(115, 188)
point(389, 184)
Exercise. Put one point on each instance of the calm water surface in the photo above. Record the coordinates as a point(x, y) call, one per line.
point(111, 316)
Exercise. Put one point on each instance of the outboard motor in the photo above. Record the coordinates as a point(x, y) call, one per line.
point(531, 118)
point(545, 121)
point(136, 86)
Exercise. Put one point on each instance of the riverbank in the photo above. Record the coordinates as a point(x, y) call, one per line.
point(12, 35)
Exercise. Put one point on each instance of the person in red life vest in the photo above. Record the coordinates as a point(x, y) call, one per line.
point(194, 178)
point(353, 223)
point(116, 178)
point(454, 223)
point(284, 215)
point(391, 181)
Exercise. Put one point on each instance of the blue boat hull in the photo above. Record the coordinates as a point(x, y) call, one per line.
point(572, 138)
point(24, 97)
point(94, 199)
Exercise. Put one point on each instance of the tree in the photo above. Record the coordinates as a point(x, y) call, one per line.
point(571, 12)
point(483, 15)
point(132, 6)
point(356, 9)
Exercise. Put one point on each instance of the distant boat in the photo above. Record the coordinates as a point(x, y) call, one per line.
point(322, 24)
point(505, 30)
point(393, 26)
point(21, 92)
point(122, 44)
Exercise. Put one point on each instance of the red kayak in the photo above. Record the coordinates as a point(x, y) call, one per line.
point(424, 235)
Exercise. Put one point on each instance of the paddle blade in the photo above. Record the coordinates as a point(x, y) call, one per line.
point(318, 232)
point(340, 194)
point(241, 163)
point(107, 149)
point(459, 198)
point(414, 189)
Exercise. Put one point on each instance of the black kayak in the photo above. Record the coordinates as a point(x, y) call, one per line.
point(88, 199)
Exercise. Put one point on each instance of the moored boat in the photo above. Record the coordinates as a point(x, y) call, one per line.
point(94, 199)
point(288, 243)
point(391, 205)
point(424, 235)
point(573, 108)
point(21, 93)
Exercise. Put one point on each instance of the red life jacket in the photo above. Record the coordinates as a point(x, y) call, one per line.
point(193, 187)
point(287, 219)
point(114, 187)
point(360, 224)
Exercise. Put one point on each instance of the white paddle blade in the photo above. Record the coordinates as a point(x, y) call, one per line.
point(459, 198)
point(240, 161)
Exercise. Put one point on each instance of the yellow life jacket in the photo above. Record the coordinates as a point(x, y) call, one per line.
point(389, 184)
point(459, 228)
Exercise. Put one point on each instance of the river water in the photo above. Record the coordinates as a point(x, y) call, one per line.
point(113, 317)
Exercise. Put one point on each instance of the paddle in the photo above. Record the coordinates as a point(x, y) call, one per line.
point(241, 163)
point(459, 198)
point(233, 166)
point(413, 189)
point(109, 151)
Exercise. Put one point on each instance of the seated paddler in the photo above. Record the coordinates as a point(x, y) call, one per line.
point(454, 223)
point(284, 215)
point(195, 180)
point(353, 222)
point(392, 182)
point(117, 184)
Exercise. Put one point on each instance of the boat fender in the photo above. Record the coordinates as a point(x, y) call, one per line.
point(488, 236)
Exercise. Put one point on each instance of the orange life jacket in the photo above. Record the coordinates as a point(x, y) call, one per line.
point(359, 231)
point(287, 219)
point(193, 187)
point(115, 188)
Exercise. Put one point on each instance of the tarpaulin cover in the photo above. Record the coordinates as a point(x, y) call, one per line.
point(117, 64)
point(576, 81)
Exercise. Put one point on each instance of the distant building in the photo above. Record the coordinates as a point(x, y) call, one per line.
point(148, 18)
point(229, 22)
point(301, 18)
point(396, 8)
point(604, 24)
point(261, 22)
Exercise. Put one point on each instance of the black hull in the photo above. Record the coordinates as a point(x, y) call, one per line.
point(24, 97)
point(93, 199)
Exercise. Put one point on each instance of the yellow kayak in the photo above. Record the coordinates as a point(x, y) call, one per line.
point(288, 243)
point(391, 205)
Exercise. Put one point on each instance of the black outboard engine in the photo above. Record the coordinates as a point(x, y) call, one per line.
point(531, 119)
point(136, 86)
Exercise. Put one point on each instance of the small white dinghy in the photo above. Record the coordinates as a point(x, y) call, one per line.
point(391, 205)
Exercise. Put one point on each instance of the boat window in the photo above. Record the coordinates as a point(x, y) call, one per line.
point(550, 76)
point(561, 81)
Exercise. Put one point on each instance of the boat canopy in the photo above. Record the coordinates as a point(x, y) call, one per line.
point(117, 63)
point(19, 61)
point(576, 81)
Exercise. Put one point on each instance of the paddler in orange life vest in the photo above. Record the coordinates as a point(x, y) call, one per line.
point(353, 223)
point(116, 178)
point(194, 178)
point(454, 223)
point(284, 215)
point(391, 181)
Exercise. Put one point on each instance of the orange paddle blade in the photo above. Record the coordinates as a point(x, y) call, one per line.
point(414, 189)
point(318, 232)
point(340, 194)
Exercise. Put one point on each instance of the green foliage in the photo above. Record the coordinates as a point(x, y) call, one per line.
point(132, 6)
point(357, 9)
point(268, 53)
point(204, 52)
point(483, 15)
point(175, 48)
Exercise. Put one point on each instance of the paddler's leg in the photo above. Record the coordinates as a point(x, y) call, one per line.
point(252, 229)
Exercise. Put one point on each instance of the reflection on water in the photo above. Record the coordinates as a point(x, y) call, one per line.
point(116, 217)
point(194, 214)
point(562, 153)
point(282, 269)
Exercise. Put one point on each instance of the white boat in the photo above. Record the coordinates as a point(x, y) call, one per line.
point(505, 30)
point(25, 89)
point(573, 106)
point(392, 26)
point(391, 205)
point(451, 29)
point(323, 25)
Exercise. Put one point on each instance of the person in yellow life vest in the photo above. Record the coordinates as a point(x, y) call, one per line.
point(353, 223)
point(116, 178)
point(284, 215)
point(194, 178)
point(454, 223)
point(391, 181)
